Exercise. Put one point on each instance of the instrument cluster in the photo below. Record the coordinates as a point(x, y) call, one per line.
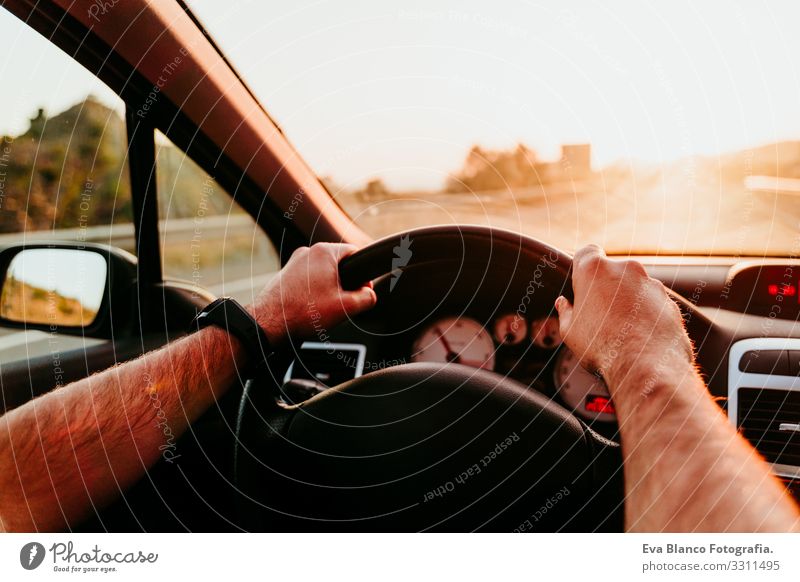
point(528, 351)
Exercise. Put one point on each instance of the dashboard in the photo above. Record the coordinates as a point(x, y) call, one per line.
point(530, 352)
point(479, 322)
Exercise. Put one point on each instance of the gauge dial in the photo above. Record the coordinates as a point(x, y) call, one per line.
point(510, 329)
point(460, 340)
point(545, 333)
point(583, 392)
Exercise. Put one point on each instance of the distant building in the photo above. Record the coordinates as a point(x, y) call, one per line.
point(575, 164)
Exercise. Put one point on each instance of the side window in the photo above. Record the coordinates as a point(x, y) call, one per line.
point(63, 168)
point(206, 237)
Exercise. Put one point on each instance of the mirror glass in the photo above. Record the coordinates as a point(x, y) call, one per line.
point(58, 287)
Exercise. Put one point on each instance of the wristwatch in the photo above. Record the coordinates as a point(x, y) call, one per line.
point(228, 314)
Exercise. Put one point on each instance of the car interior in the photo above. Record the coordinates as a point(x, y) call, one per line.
point(453, 405)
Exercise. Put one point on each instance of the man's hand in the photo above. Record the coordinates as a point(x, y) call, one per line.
point(306, 299)
point(623, 321)
point(686, 468)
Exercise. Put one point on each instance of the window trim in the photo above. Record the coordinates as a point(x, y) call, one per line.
point(142, 168)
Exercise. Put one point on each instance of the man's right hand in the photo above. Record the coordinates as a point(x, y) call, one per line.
point(686, 468)
point(622, 320)
point(305, 299)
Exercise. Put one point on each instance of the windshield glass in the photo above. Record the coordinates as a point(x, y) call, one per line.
point(644, 127)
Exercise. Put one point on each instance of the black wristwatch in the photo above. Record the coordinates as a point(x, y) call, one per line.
point(229, 315)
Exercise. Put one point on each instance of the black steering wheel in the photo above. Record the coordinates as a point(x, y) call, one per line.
point(427, 446)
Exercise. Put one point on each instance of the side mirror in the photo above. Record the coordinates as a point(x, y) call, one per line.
point(65, 288)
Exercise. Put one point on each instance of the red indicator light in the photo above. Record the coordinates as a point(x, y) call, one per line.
point(599, 404)
point(783, 289)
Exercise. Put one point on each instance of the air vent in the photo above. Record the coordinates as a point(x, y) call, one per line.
point(770, 420)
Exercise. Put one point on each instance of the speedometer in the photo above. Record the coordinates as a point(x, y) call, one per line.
point(545, 333)
point(460, 340)
point(510, 330)
point(583, 392)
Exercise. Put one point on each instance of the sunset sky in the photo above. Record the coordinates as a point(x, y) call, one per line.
point(402, 90)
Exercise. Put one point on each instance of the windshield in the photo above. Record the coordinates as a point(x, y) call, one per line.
point(644, 127)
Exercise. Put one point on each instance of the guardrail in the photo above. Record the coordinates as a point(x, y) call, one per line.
point(772, 184)
point(123, 235)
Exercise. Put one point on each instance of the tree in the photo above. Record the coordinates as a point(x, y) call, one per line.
point(374, 189)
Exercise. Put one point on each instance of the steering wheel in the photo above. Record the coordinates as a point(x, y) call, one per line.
point(429, 446)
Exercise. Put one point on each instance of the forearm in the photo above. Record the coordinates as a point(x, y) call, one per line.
point(686, 468)
point(78, 447)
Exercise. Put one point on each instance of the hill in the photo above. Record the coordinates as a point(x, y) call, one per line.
point(781, 160)
point(24, 302)
point(66, 171)
point(70, 170)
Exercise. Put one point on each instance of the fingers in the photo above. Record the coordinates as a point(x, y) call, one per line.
point(337, 251)
point(341, 250)
point(355, 302)
point(564, 309)
point(587, 254)
point(585, 264)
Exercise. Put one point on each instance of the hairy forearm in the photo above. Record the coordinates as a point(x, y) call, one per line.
point(76, 448)
point(686, 468)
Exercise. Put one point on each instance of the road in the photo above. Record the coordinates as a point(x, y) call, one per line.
point(682, 212)
point(676, 212)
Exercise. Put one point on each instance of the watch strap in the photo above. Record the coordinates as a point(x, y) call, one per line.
point(229, 315)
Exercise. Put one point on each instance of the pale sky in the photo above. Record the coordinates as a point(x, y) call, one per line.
point(35, 73)
point(401, 90)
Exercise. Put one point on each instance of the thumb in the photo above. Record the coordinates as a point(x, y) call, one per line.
point(360, 300)
point(564, 308)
